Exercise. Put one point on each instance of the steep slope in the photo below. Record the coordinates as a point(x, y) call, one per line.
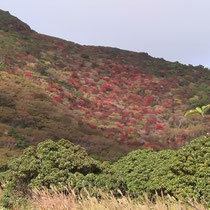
point(108, 100)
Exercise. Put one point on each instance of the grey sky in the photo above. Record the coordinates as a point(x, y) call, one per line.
point(176, 30)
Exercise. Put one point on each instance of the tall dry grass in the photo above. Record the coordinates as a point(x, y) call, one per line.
point(43, 200)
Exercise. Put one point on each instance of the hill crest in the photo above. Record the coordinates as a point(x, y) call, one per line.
point(9, 22)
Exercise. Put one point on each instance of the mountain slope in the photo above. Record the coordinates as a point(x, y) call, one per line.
point(108, 100)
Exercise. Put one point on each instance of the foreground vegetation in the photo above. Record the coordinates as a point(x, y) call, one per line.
point(181, 174)
point(42, 200)
point(110, 102)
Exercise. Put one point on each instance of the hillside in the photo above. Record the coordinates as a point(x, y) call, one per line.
point(108, 100)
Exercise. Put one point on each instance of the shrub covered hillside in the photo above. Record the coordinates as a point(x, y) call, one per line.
point(108, 100)
point(183, 174)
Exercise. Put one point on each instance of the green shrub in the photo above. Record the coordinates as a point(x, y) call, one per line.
point(189, 171)
point(52, 164)
point(183, 173)
point(137, 169)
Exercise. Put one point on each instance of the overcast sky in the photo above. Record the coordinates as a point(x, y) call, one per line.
point(176, 30)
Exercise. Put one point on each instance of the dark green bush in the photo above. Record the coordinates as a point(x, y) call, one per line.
point(182, 173)
point(189, 171)
point(53, 164)
point(137, 169)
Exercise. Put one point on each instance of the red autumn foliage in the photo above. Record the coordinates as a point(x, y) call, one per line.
point(71, 81)
point(110, 133)
point(136, 107)
point(159, 111)
point(134, 143)
point(24, 111)
point(159, 126)
point(119, 125)
point(107, 87)
point(28, 74)
point(167, 105)
point(123, 137)
point(87, 74)
point(49, 88)
point(151, 121)
point(83, 89)
point(180, 140)
point(76, 85)
point(129, 130)
point(92, 126)
point(106, 104)
point(92, 83)
point(58, 99)
point(144, 110)
point(85, 110)
point(56, 86)
point(148, 101)
point(114, 81)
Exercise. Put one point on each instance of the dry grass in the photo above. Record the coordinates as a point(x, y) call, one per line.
point(43, 200)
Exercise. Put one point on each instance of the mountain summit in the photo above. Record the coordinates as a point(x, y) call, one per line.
point(9, 22)
point(108, 100)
